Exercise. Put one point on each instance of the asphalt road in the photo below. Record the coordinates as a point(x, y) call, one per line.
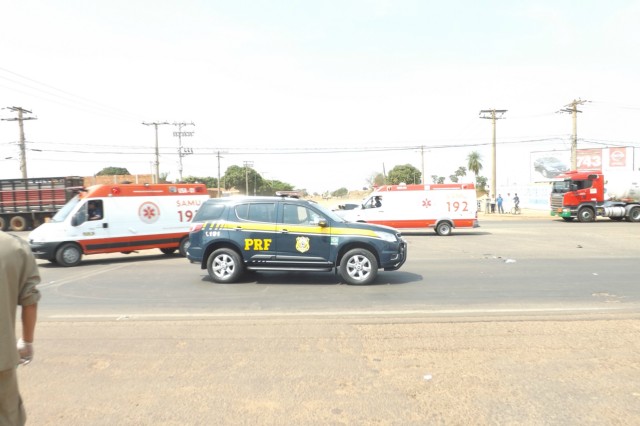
point(525, 320)
point(507, 263)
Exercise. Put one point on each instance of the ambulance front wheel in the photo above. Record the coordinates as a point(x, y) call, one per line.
point(444, 228)
point(224, 266)
point(68, 254)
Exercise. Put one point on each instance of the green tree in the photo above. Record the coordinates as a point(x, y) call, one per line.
point(210, 182)
point(462, 171)
point(437, 179)
point(481, 184)
point(376, 179)
point(273, 186)
point(474, 163)
point(404, 173)
point(242, 178)
point(342, 192)
point(453, 178)
point(111, 171)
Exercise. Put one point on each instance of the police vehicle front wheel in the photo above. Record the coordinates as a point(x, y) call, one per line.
point(224, 266)
point(358, 266)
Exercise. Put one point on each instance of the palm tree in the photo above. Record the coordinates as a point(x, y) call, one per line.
point(474, 163)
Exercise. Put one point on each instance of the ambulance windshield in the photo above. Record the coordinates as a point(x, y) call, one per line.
point(65, 210)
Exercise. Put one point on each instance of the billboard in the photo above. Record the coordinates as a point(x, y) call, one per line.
point(546, 165)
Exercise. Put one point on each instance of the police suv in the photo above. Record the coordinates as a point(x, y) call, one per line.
point(231, 235)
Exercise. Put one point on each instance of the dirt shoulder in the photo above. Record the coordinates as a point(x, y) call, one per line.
point(386, 371)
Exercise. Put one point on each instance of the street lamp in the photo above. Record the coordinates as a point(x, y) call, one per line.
point(247, 164)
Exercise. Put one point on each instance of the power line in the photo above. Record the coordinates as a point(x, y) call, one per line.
point(67, 96)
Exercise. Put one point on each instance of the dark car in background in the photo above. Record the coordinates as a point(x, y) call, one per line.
point(549, 167)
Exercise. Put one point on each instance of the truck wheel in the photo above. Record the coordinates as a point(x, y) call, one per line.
point(18, 223)
point(443, 229)
point(3, 224)
point(224, 266)
point(358, 266)
point(68, 254)
point(586, 214)
point(634, 214)
point(184, 246)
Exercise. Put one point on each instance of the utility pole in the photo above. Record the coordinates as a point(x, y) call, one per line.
point(493, 114)
point(157, 162)
point(422, 156)
point(573, 109)
point(182, 152)
point(247, 164)
point(219, 157)
point(23, 153)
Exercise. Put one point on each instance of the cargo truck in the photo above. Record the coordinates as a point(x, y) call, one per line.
point(587, 195)
point(27, 203)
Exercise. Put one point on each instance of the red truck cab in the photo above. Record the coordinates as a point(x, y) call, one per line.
point(583, 195)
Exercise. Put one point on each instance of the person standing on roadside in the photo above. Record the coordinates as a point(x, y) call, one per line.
point(499, 201)
point(18, 279)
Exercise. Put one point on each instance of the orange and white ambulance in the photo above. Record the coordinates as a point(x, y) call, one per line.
point(439, 206)
point(119, 218)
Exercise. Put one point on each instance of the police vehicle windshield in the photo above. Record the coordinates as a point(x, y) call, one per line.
point(329, 213)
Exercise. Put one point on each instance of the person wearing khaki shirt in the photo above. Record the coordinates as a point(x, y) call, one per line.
point(18, 279)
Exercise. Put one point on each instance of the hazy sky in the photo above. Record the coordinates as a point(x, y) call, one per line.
point(261, 77)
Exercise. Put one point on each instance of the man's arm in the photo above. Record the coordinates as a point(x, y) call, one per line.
point(29, 317)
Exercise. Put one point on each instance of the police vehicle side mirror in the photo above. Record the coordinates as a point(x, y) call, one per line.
point(322, 223)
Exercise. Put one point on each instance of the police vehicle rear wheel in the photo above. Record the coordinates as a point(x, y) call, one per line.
point(184, 246)
point(69, 254)
point(358, 266)
point(224, 266)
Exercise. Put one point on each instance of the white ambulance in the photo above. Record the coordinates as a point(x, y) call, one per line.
point(439, 206)
point(119, 218)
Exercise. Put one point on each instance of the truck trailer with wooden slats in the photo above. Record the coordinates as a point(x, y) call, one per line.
point(27, 203)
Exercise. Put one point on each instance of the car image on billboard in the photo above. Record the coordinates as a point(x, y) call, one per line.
point(549, 167)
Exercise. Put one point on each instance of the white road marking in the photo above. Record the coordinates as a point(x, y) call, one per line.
point(121, 317)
